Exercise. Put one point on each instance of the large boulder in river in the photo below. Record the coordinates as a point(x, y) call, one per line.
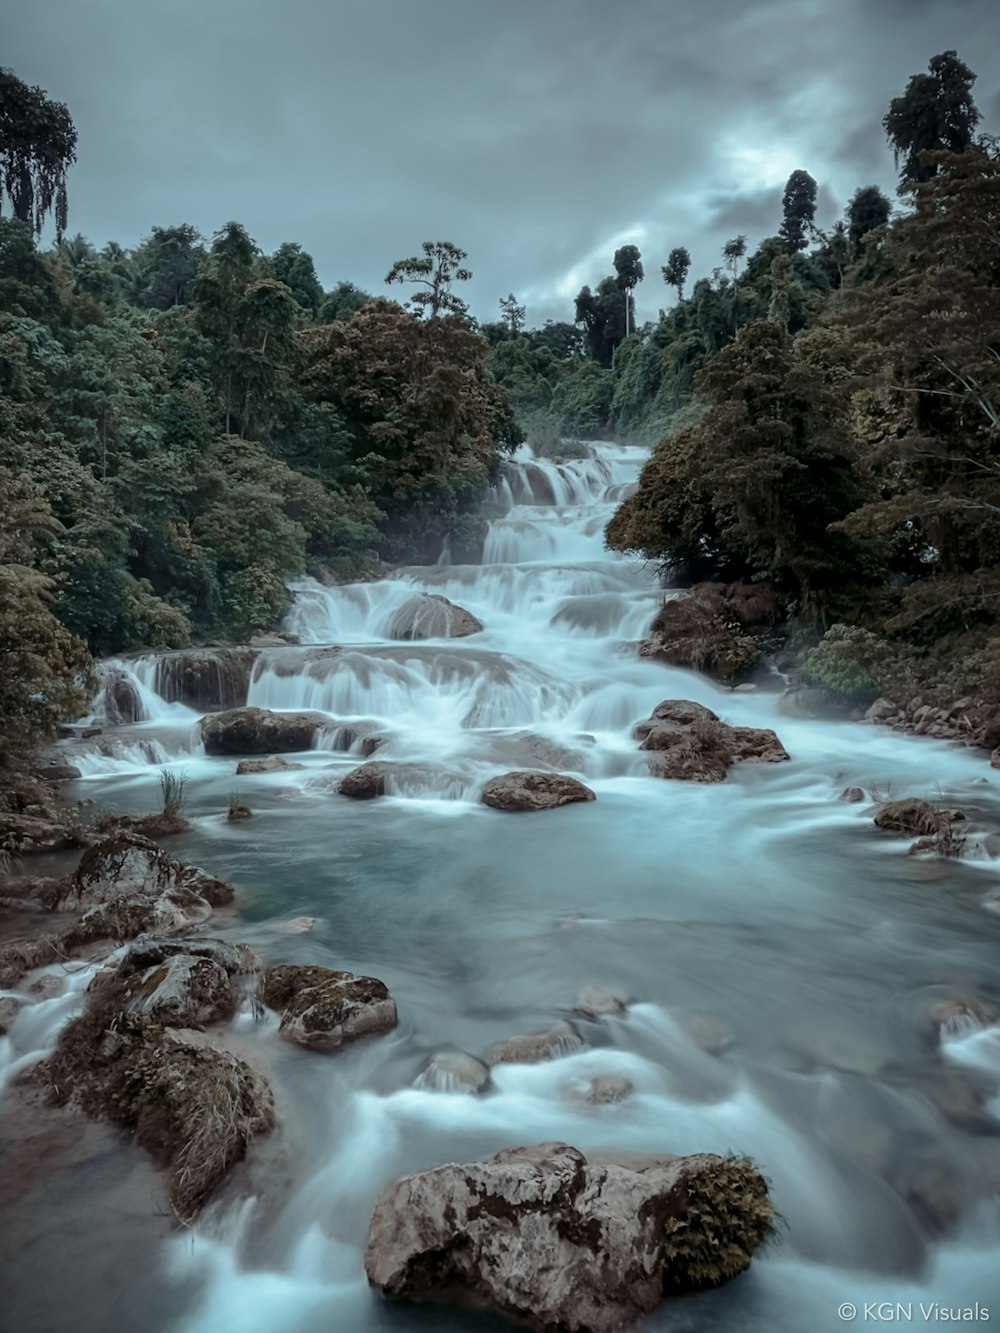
point(719, 628)
point(259, 731)
point(125, 864)
point(206, 678)
point(544, 1238)
point(324, 1009)
point(916, 818)
point(193, 1105)
point(534, 791)
point(687, 741)
point(430, 616)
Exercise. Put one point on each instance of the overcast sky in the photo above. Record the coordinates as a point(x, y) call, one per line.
point(537, 134)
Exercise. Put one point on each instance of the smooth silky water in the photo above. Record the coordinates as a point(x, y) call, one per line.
point(763, 906)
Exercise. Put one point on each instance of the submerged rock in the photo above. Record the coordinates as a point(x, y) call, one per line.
point(454, 1071)
point(593, 1002)
point(562, 1039)
point(272, 764)
point(430, 616)
point(259, 731)
point(601, 1090)
point(688, 742)
point(543, 1238)
point(534, 791)
point(325, 1009)
point(852, 795)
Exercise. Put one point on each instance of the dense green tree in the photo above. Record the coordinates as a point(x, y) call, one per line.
point(512, 314)
point(676, 269)
point(436, 269)
point(869, 208)
point(342, 302)
point(165, 267)
point(291, 265)
point(37, 148)
point(936, 113)
point(798, 206)
point(628, 274)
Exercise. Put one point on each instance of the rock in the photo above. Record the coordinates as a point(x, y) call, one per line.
point(161, 825)
point(206, 678)
point(297, 925)
point(237, 813)
point(755, 745)
point(364, 783)
point(711, 1034)
point(526, 790)
point(593, 1002)
point(183, 991)
point(995, 758)
point(915, 817)
point(721, 629)
point(430, 616)
point(688, 742)
point(543, 1238)
point(9, 1010)
point(324, 1009)
point(882, 710)
point(454, 1071)
point(274, 640)
point(562, 1039)
point(59, 773)
point(194, 1107)
point(119, 703)
point(130, 865)
point(259, 731)
point(603, 1090)
point(272, 764)
point(852, 795)
point(958, 1018)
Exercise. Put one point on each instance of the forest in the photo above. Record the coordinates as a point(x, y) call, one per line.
point(187, 424)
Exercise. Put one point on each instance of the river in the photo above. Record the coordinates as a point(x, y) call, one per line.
point(762, 918)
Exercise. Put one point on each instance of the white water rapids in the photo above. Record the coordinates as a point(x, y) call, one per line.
point(762, 908)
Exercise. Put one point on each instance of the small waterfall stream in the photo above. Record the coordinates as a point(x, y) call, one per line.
point(783, 956)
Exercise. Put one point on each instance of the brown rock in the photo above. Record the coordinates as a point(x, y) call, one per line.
point(272, 764)
point(852, 795)
point(717, 628)
point(430, 616)
point(915, 817)
point(259, 731)
point(524, 791)
point(324, 1009)
point(544, 1238)
point(562, 1039)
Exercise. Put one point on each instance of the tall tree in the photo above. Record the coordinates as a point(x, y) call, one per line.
point(732, 252)
point(628, 274)
point(438, 267)
point(676, 269)
point(37, 148)
point(291, 265)
point(869, 208)
point(798, 206)
point(513, 315)
point(936, 113)
point(166, 265)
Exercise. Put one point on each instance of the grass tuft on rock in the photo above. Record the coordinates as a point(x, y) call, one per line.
point(728, 1215)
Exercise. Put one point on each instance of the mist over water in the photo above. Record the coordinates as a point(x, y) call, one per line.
point(760, 918)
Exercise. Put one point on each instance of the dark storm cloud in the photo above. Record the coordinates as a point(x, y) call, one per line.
point(537, 134)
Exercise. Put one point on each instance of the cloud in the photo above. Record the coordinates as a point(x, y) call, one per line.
point(535, 135)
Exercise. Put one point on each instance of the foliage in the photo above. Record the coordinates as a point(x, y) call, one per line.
point(436, 269)
point(44, 670)
point(936, 113)
point(798, 206)
point(37, 147)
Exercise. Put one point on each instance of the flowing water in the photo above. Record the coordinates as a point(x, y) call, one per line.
point(762, 919)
